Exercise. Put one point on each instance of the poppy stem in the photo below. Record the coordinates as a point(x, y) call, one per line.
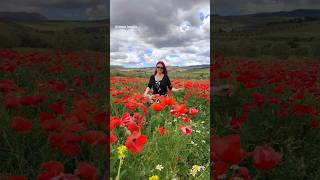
point(119, 170)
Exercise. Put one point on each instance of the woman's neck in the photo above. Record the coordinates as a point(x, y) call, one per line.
point(159, 74)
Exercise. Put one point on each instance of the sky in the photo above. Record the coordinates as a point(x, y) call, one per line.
point(240, 7)
point(60, 9)
point(145, 31)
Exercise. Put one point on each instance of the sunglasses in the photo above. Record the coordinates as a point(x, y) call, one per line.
point(158, 67)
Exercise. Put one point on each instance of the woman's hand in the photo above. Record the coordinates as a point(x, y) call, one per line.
point(224, 90)
point(150, 98)
point(177, 89)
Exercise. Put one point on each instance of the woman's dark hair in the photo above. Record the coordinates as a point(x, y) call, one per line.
point(165, 72)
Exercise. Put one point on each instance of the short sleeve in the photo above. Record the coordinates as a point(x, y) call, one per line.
point(150, 82)
point(169, 83)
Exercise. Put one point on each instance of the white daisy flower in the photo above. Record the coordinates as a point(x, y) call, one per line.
point(159, 167)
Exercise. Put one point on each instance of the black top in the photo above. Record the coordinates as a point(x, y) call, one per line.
point(160, 87)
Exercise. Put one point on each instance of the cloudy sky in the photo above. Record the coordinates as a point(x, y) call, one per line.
point(60, 9)
point(144, 31)
point(235, 7)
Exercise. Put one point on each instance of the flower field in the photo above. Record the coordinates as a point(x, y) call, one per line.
point(53, 120)
point(168, 139)
point(269, 128)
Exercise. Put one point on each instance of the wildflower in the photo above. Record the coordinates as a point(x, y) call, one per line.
point(195, 169)
point(193, 111)
point(265, 158)
point(86, 171)
point(154, 177)
point(136, 142)
point(193, 143)
point(121, 152)
point(186, 130)
point(159, 167)
point(162, 131)
point(121, 155)
point(21, 124)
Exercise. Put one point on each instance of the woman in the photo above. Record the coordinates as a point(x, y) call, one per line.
point(159, 82)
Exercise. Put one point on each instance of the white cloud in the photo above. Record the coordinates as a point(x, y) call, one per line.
point(173, 30)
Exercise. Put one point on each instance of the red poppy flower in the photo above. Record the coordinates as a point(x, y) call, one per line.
point(193, 111)
point(169, 101)
point(11, 102)
point(162, 131)
point(241, 173)
point(138, 118)
point(21, 124)
point(113, 138)
point(50, 125)
point(86, 171)
point(98, 96)
point(57, 86)
point(114, 122)
point(26, 100)
point(7, 85)
point(99, 118)
point(55, 139)
point(70, 137)
point(69, 149)
point(135, 142)
point(265, 158)
point(278, 90)
point(228, 149)
point(133, 127)
point(64, 176)
point(54, 167)
point(185, 119)
point(43, 116)
point(57, 108)
point(157, 106)
point(186, 130)
point(125, 119)
point(17, 178)
point(315, 124)
point(181, 109)
point(77, 81)
point(94, 137)
point(116, 101)
point(300, 110)
point(178, 159)
point(220, 167)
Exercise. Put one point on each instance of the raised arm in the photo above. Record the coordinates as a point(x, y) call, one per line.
point(146, 91)
point(224, 90)
point(173, 88)
point(148, 87)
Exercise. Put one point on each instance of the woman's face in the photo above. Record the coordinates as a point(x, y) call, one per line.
point(159, 68)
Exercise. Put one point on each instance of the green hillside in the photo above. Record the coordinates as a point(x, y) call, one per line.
point(278, 37)
point(174, 72)
point(58, 35)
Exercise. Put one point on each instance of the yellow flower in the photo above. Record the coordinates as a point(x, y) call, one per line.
point(121, 151)
point(195, 169)
point(154, 177)
point(193, 172)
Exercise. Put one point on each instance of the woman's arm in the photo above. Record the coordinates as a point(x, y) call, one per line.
point(146, 91)
point(170, 87)
point(149, 85)
point(177, 89)
point(224, 90)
